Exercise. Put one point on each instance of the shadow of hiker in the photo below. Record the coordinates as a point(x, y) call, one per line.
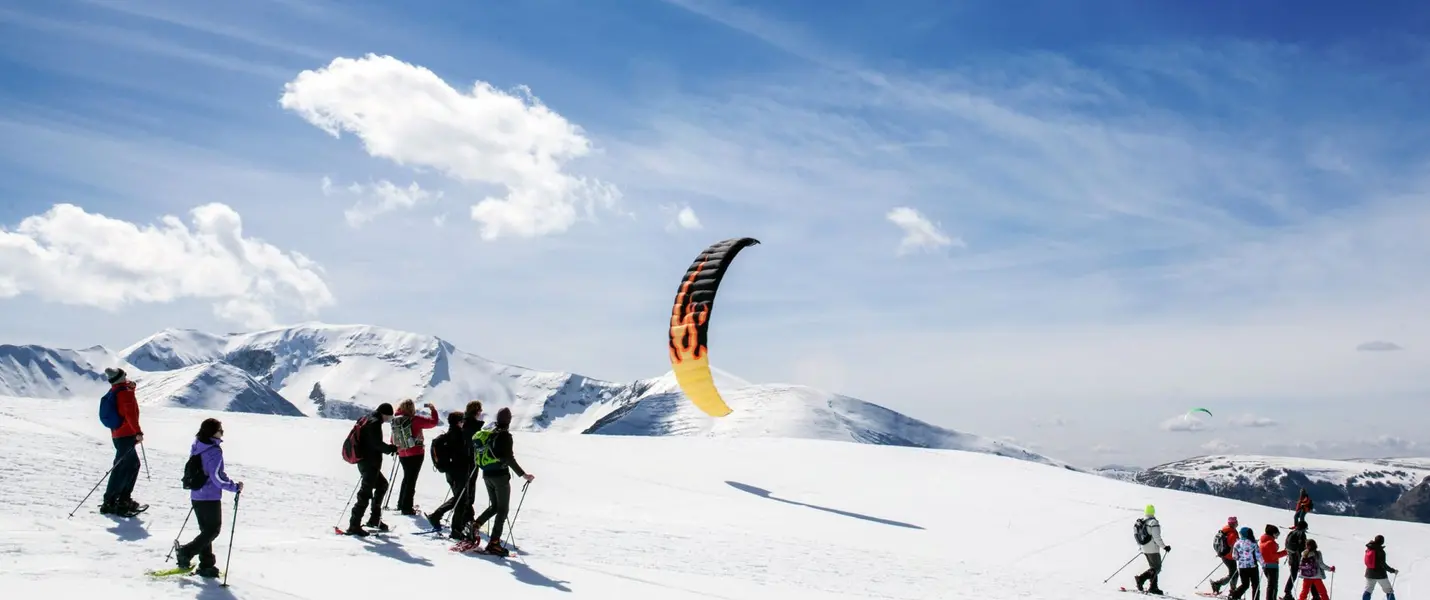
point(763, 493)
point(128, 530)
point(393, 550)
point(523, 572)
point(209, 589)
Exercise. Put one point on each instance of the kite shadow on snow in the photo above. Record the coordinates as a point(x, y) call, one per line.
point(394, 551)
point(763, 493)
point(128, 530)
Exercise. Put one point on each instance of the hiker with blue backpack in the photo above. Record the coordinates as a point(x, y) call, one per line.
point(119, 411)
point(205, 476)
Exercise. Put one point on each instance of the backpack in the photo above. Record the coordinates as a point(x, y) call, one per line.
point(402, 433)
point(1309, 568)
point(482, 450)
point(194, 475)
point(1140, 533)
point(441, 453)
point(351, 444)
point(1219, 544)
point(109, 410)
point(1370, 558)
point(1296, 541)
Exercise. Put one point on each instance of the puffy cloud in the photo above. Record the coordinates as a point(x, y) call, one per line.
point(409, 115)
point(681, 217)
point(920, 234)
point(1183, 424)
point(379, 199)
point(1219, 446)
point(1252, 421)
point(74, 257)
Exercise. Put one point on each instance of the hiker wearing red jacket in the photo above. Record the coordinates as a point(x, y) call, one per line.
point(407, 429)
point(1229, 536)
point(1303, 506)
point(1271, 555)
point(127, 435)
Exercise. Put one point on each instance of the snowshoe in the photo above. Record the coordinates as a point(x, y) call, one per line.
point(171, 572)
point(353, 531)
point(376, 524)
point(464, 546)
point(495, 548)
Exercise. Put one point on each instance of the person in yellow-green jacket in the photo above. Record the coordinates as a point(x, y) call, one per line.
point(495, 458)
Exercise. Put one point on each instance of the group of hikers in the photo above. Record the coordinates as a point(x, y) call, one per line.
point(466, 449)
point(1248, 559)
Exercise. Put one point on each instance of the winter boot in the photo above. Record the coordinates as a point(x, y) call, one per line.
point(376, 524)
point(1141, 581)
point(356, 531)
point(435, 520)
point(107, 508)
point(210, 572)
point(184, 559)
point(494, 547)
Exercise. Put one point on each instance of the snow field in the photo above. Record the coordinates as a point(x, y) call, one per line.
point(618, 517)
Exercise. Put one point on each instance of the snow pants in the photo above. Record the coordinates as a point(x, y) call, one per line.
point(411, 468)
point(209, 514)
point(373, 487)
point(460, 504)
point(1298, 518)
point(1250, 579)
point(499, 495)
point(1273, 580)
point(126, 470)
point(1231, 572)
point(1384, 587)
point(1316, 588)
point(1154, 568)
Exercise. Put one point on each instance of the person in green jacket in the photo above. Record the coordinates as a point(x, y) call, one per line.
point(495, 457)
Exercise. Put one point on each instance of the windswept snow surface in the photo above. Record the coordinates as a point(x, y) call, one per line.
point(668, 518)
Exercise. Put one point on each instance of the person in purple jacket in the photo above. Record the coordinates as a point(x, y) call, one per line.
point(207, 500)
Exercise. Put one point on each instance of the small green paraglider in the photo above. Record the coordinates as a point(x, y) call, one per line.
point(1194, 410)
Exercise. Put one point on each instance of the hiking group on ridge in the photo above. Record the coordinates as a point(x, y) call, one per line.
point(1247, 560)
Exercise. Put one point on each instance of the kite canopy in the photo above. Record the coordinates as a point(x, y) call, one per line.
point(1196, 410)
point(690, 324)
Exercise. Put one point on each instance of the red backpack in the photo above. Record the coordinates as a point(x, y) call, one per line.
point(1369, 558)
point(351, 443)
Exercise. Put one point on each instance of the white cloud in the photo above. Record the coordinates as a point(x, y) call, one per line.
point(1379, 346)
point(1219, 446)
point(681, 217)
point(920, 234)
point(407, 114)
point(70, 256)
point(1105, 449)
point(1184, 424)
point(1252, 421)
point(381, 198)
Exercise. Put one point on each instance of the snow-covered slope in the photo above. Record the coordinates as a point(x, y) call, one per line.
point(1343, 487)
point(636, 518)
point(38, 372)
point(212, 386)
point(791, 411)
point(1119, 472)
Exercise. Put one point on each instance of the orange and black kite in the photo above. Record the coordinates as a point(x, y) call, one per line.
point(690, 324)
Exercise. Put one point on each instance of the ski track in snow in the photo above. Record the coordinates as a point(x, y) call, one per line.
point(616, 517)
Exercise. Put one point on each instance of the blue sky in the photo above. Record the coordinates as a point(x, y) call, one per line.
point(1059, 222)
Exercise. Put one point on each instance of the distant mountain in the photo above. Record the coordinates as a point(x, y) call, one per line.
point(1119, 472)
point(1363, 488)
point(343, 371)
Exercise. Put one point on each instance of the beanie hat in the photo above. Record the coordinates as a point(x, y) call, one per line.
point(114, 375)
point(1231, 521)
point(1380, 540)
point(1246, 532)
point(384, 409)
point(504, 418)
point(1151, 510)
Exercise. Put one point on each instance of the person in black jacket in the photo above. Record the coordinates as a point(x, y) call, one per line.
point(454, 449)
point(1377, 573)
point(1295, 545)
point(496, 460)
point(374, 484)
point(464, 464)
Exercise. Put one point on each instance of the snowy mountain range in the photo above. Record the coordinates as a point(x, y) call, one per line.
point(1380, 488)
point(343, 371)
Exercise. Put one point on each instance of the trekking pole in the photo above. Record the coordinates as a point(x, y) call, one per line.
point(146, 461)
point(1109, 577)
point(511, 529)
point(101, 480)
point(339, 530)
point(390, 477)
point(180, 534)
point(1209, 576)
point(232, 528)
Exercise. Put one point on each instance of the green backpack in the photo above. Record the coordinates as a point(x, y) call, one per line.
point(402, 433)
point(482, 451)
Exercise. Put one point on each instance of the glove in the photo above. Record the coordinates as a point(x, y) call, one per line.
point(1392, 570)
point(1333, 569)
point(1166, 548)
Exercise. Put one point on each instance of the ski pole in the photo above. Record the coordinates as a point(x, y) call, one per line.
point(101, 480)
point(146, 461)
point(1109, 577)
point(1209, 576)
point(457, 506)
point(390, 477)
point(350, 501)
point(511, 530)
point(232, 528)
point(180, 534)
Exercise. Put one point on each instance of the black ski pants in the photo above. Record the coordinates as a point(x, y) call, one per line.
point(499, 496)
point(126, 470)
point(461, 492)
point(209, 514)
point(373, 487)
point(1230, 579)
point(411, 468)
point(1273, 580)
point(1250, 579)
point(1154, 568)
